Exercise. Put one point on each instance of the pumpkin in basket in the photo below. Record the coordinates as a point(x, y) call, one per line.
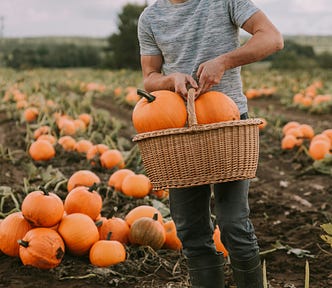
point(214, 106)
point(158, 110)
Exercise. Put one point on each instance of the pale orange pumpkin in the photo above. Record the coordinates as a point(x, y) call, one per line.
point(112, 158)
point(42, 248)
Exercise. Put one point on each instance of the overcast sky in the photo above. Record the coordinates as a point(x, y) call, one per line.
point(98, 18)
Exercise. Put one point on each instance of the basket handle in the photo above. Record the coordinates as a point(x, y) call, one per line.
point(192, 120)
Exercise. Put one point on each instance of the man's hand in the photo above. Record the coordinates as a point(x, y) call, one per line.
point(209, 74)
point(181, 82)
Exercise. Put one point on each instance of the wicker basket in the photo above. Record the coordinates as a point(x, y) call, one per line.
point(200, 154)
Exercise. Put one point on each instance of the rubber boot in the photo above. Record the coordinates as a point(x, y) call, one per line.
point(207, 271)
point(248, 274)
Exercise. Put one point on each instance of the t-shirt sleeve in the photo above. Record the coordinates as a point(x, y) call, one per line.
point(241, 11)
point(146, 40)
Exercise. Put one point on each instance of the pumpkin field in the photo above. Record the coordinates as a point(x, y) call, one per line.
point(82, 119)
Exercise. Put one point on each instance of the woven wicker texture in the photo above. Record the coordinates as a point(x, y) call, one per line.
point(200, 154)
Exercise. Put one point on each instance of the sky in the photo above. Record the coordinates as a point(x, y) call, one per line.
point(98, 18)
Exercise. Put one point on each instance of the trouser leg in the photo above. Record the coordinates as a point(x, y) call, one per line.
point(190, 210)
point(237, 232)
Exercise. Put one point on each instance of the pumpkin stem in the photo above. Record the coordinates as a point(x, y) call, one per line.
point(43, 189)
point(109, 234)
point(99, 223)
point(93, 187)
point(23, 243)
point(146, 95)
point(155, 216)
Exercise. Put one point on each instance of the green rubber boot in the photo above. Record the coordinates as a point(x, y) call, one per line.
point(207, 271)
point(248, 274)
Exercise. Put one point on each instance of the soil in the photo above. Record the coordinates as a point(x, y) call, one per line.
point(289, 201)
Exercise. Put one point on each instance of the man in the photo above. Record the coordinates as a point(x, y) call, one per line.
point(196, 43)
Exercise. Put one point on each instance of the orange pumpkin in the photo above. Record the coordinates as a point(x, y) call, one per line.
point(214, 106)
point(148, 232)
point(107, 252)
point(217, 241)
point(172, 241)
point(13, 228)
point(83, 145)
point(116, 179)
point(137, 185)
point(67, 142)
point(142, 211)
point(42, 208)
point(119, 228)
point(160, 109)
point(41, 150)
point(42, 248)
point(79, 233)
point(112, 158)
point(85, 200)
point(82, 178)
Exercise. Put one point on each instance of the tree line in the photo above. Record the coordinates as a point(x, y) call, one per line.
point(122, 51)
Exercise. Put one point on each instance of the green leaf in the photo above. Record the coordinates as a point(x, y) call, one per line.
point(327, 239)
point(327, 228)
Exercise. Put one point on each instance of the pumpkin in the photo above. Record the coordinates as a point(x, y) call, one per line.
point(214, 106)
point(30, 114)
point(137, 185)
point(42, 208)
point(48, 137)
point(107, 252)
point(82, 178)
point(142, 211)
point(42, 248)
point(307, 131)
point(13, 228)
point(116, 179)
point(112, 158)
point(85, 200)
point(67, 142)
point(217, 241)
point(41, 150)
point(328, 133)
point(95, 152)
point(79, 233)
point(83, 145)
point(119, 228)
point(160, 109)
point(318, 149)
point(86, 118)
point(148, 231)
point(288, 142)
point(289, 125)
point(44, 129)
point(172, 241)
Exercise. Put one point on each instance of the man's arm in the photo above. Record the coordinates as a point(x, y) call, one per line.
point(265, 40)
point(155, 80)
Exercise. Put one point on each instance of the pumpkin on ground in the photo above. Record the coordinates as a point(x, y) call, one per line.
point(84, 200)
point(172, 241)
point(13, 228)
point(119, 228)
point(107, 252)
point(157, 110)
point(137, 185)
point(41, 150)
point(79, 233)
point(42, 208)
point(148, 231)
point(42, 248)
point(112, 158)
point(116, 179)
point(82, 178)
point(142, 211)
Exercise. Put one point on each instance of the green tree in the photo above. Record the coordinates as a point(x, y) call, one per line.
point(123, 46)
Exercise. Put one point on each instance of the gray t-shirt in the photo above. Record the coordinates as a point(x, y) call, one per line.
point(193, 32)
